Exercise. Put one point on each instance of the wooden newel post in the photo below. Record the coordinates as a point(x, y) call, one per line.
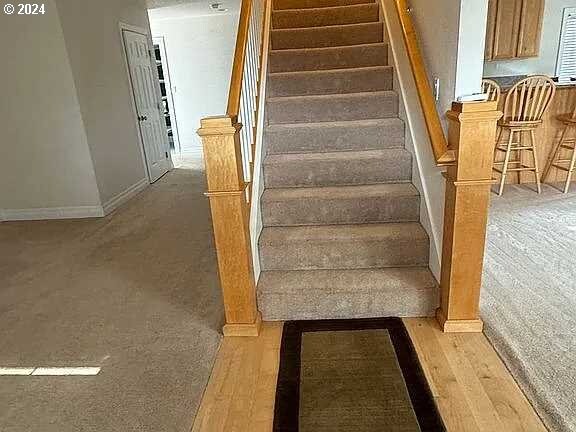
point(227, 194)
point(472, 131)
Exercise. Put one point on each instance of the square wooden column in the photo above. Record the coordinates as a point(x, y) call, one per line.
point(229, 207)
point(472, 135)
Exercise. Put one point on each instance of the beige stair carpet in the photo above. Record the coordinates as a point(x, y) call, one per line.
point(341, 236)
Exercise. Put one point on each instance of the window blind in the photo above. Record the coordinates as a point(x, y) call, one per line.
point(566, 66)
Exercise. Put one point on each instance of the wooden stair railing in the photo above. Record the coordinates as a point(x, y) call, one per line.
point(444, 156)
point(229, 143)
point(468, 155)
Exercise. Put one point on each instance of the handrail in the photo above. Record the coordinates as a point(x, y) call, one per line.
point(243, 94)
point(235, 91)
point(442, 154)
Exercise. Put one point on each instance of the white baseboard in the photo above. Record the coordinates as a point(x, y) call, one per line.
point(125, 196)
point(51, 213)
point(74, 212)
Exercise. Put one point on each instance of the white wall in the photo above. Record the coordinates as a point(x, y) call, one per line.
point(471, 43)
point(44, 156)
point(437, 27)
point(452, 34)
point(545, 63)
point(200, 50)
point(91, 30)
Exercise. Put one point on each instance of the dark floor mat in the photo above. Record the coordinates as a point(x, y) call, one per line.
point(352, 375)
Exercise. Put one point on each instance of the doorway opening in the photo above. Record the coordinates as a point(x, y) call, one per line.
point(166, 92)
point(147, 99)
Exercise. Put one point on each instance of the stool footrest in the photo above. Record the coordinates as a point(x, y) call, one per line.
point(561, 168)
point(522, 169)
point(513, 147)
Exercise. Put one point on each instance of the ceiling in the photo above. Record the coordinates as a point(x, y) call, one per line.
point(153, 4)
point(167, 9)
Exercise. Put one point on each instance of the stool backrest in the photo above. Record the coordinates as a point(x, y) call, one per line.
point(528, 100)
point(492, 89)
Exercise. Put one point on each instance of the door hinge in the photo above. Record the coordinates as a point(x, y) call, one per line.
point(150, 53)
point(166, 155)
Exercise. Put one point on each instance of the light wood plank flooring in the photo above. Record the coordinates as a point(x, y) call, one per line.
point(472, 387)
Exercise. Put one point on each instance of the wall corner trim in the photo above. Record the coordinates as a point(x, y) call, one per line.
point(125, 196)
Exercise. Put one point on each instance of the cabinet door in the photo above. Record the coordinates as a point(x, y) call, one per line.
point(507, 29)
point(530, 28)
point(490, 29)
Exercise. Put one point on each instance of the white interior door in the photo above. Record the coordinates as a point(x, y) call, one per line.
point(146, 98)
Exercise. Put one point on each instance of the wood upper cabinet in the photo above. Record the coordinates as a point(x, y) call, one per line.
point(530, 28)
point(490, 29)
point(514, 29)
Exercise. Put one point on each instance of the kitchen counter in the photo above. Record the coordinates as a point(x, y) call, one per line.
point(507, 82)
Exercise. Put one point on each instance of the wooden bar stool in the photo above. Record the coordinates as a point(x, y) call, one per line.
point(567, 143)
point(524, 107)
point(492, 89)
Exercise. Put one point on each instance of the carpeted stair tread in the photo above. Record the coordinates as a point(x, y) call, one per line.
point(327, 36)
point(359, 293)
point(343, 246)
point(332, 107)
point(333, 81)
point(304, 4)
point(341, 205)
point(326, 16)
point(370, 134)
point(341, 236)
point(338, 168)
point(302, 59)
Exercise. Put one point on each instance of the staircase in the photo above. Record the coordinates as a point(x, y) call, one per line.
point(341, 236)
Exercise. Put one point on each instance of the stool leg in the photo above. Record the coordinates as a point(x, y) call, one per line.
point(572, 162)
point(535, 155)
point(555, 155)
point(500, 132)
point(519, 158)
point(506, 160)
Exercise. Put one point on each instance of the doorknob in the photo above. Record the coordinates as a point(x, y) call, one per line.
point(142, 118)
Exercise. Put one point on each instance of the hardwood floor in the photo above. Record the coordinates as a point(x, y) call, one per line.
point(472, 387)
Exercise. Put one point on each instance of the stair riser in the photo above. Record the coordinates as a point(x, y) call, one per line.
point(338, 58)
point(334, 138)
point(308, 306)
point(338, 172)
point(316, 211)
point(332, 294)
point(344, 254)
point(332, 82)
point(307, 110)
point(303, 4)
point(327, 36)
point(325, 17)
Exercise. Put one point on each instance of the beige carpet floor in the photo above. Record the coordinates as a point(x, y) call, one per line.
point(135, 293)
point(529, 297)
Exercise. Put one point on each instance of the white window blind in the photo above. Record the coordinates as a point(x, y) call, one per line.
point(566, 66)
